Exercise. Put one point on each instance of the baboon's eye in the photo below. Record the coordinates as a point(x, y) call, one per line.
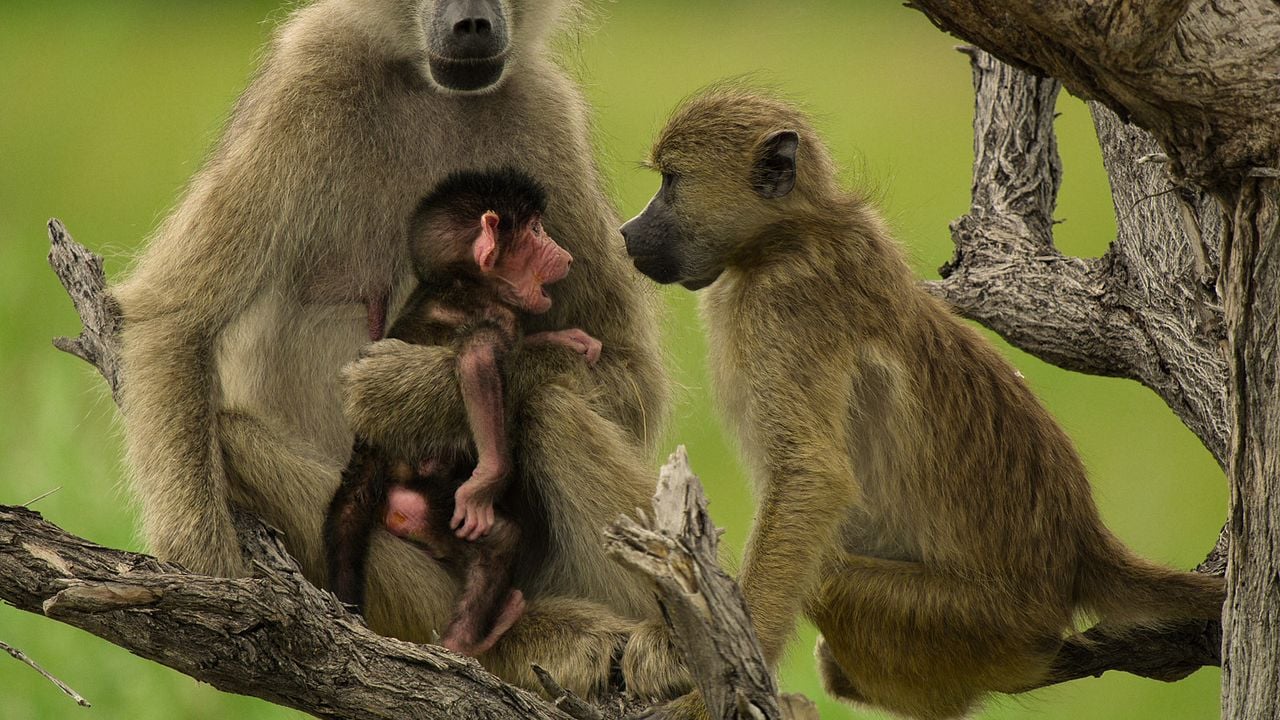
point(668, 185)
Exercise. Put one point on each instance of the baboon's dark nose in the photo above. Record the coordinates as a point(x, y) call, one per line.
point(476, 29)
point(473, 26)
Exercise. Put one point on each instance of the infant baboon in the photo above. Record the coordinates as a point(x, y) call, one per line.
point(482, 259)
point(916, 501)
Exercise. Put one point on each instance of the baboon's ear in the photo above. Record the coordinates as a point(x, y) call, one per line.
point(774, 173)
point(485, 246)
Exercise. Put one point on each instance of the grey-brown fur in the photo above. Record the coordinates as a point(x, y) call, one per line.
point(916, 501)
point(246, 306)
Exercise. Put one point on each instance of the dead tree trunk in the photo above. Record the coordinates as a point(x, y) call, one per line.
point(1200, 76)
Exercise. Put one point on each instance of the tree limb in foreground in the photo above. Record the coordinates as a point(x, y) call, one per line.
point(273, 636)
point(677, 548)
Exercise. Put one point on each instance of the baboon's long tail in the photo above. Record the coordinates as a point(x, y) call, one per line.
point(1124, 588)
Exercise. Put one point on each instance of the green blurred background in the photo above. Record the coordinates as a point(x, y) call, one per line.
point(106, 108)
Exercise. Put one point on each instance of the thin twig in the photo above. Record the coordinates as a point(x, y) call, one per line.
point(29, 503)
point(22, 658)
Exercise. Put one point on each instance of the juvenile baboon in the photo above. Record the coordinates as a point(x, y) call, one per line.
point(482, 259)
point(916, 501)
point(252, 295)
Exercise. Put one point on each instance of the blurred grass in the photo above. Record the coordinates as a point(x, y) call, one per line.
point(107, 108)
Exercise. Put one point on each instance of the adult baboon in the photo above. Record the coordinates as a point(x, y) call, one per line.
point(261, 284)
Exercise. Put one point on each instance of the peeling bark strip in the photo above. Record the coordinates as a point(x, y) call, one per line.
point(1251, 662)
point(678, 548)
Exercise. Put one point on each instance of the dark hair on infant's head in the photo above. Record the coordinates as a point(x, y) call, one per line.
point(468, 194)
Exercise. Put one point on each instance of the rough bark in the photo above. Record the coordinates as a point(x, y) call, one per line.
point(1146, 310)
point(1200, 76)
point(1251, 659)
point(81, 274)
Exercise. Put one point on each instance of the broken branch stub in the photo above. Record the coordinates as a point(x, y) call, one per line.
point(678, 549)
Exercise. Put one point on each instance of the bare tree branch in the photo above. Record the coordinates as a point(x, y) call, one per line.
point(274, 636)
point(82, 275)
point(678, 549)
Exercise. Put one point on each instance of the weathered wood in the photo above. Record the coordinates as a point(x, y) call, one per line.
point(1198, 74)
point(678, 549)
point(1251, 295)
point(81, 273)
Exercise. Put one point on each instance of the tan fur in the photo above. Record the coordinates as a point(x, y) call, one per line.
point(247, 304)
point(915, 500)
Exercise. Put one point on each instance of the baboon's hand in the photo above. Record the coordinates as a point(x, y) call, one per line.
point(583, 344)
point(473, 506)
point(573, 339)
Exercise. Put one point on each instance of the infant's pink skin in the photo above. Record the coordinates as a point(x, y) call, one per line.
point(407, 514)
point(511, 611)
